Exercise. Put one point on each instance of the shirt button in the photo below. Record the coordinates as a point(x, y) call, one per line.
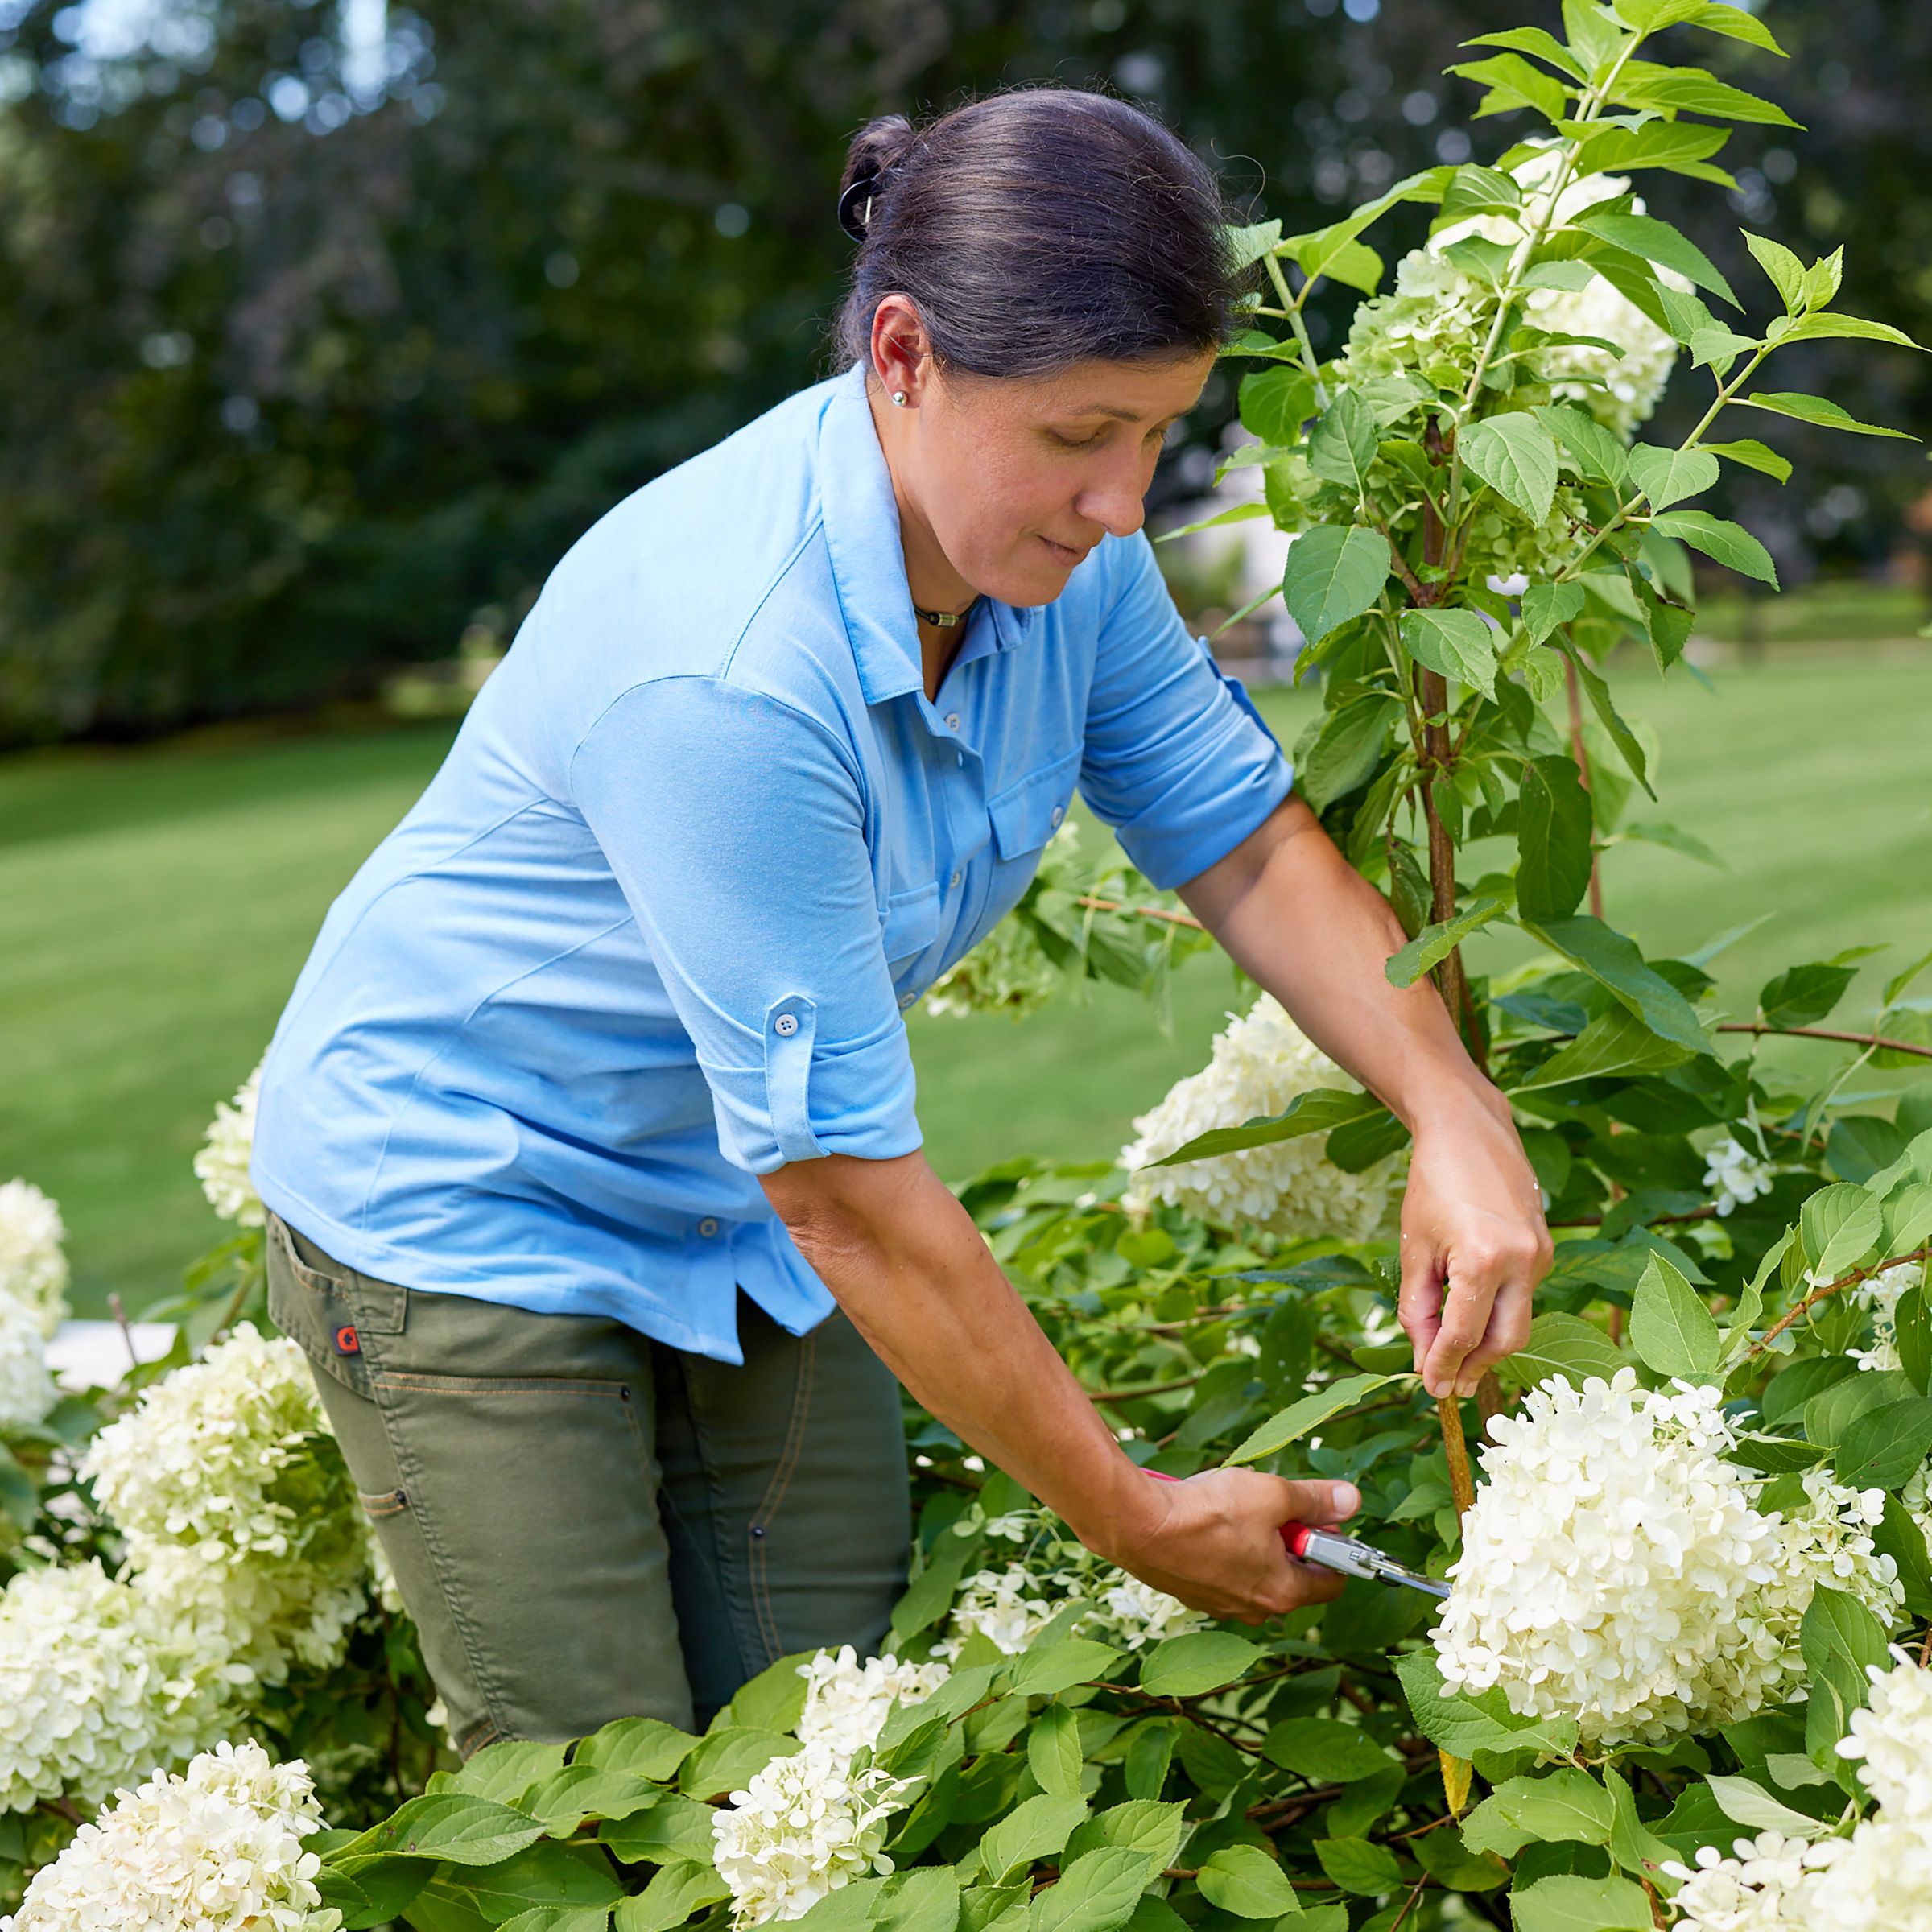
point(1059, 812)
point(785, 1026)
point(953, 882)
point(708, 1227)
point(960, 759)
point(952, 720)
point(905, 1000)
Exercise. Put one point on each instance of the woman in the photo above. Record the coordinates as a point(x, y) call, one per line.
point(588, 1133)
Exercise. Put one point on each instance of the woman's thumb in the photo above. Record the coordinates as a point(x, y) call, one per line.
point(1321, 1503)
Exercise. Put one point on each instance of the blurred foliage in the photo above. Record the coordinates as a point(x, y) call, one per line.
point(322, 332)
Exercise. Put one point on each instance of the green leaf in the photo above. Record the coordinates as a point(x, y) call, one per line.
point(1150, 1752)
point(1567, 1345)
point(1671, 1328)
point(550, 1874)
point(1565, 1805)
point(1823, 325)
point(1333, 574)
point(1802, 995)
point(1596, 452)
point(371, 1892)
point(1348, 749)
point(1884, 1447)
point(1513, 83)
point(1734, 23)
point(643, 1746)
point(1552, 839)
point(1059, 1666)
point(505, 1771)
point(1053, 1751)
point(1035, 1829)
point(559, 1918)
point(1679, 147)
point(1607, 715)
point(1341, 446)
point(1325, 1750)
point(1615, 963)
point(1515, 454)
point(1244, 1880)
point(448, 1825)
point(1317, 1111)
point(1186, 1666)
point(566, 1797)
point(674, 1828)
point(1154, 1830)
point(1357, 1866)
point(1746, 1803)
point(772, 1700)
point(1447, 1858)
point(1690, 90)
point(1533, 40)
point(1899, 1537)
point(1290, 1424)
point(1753, 455)
point(1434, 943)
point(1457, 643)
point(926, 1899)
point(1096, 1892)
point(1546, 605)
point(1659, 243)
point(1633, 1845)
point(1840, 1640)
point(1615, 1042)
point(728, 1760)
point(1787, 273)
point(1816, 409)
point(1247, 245)
point(1839, 1226)
point(1725, 542)
point(1568, 1903)
point(1653, 16)
point(1463, 1726)
point(1668, 476)
point(846, 1908)
point(675, 1891)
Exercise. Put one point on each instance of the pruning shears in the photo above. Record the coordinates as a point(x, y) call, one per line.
point(1347, 1555)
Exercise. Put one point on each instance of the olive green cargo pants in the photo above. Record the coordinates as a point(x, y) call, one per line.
point(585, 1524)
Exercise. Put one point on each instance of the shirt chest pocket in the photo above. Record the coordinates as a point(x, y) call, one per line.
point(909, 924)
point(1026, 814)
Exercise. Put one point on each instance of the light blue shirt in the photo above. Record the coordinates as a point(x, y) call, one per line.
point(652, 930)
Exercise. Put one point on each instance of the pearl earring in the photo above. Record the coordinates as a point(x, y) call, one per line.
point(899, 396)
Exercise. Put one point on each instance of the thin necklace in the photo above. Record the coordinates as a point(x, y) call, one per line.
point(945, 619)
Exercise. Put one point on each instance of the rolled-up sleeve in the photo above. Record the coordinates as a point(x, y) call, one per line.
point(735, 826)
point(1178, 760)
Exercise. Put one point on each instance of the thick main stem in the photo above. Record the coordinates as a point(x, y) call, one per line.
point(1462, 1485)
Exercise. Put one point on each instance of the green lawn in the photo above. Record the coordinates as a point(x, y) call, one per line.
point(155, 905)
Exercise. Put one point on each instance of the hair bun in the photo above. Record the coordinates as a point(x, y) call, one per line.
point(878, 147)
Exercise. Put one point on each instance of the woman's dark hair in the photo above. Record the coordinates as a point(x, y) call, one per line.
point(1035, 228)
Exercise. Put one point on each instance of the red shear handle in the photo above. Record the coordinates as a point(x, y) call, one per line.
point(1294, 1535)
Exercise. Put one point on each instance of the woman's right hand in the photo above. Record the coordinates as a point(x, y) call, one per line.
point(1215, 1541)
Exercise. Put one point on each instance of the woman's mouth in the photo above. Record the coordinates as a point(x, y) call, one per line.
point(1061, 551)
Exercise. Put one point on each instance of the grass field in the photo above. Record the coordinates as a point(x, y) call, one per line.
point(155, 905)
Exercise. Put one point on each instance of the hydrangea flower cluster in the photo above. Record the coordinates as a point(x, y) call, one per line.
point(1880, 1295)
point(239, 1518)
point(847, 1703)
point(27, 1388)
point(1261, 1061)
point(33, 1260)
point(1829, 1541)
point(1737, 1174)
point(1003, 1606)
point(92, 1689)
point(221, 1162)
point(216, 1849)
point(804, 1825)
point(1608, 1563)
point(1753, 1890)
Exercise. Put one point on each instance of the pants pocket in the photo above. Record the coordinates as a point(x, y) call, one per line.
point(327, 1308)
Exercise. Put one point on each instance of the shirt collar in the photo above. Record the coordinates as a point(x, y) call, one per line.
point(862, 520)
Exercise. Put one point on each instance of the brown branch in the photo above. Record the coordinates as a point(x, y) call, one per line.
point(1133, 1395)
point(1596, 1220)
point(1829, 1288)
point(1461, 1486)
point(1877, 1040)
point(1140, 912)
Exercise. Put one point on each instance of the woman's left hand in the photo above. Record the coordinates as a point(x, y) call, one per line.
point(1474, 1243)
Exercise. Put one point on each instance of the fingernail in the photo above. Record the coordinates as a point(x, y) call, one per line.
point(1345, 1498)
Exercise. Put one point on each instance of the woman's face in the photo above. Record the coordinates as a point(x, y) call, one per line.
point(1016, 479)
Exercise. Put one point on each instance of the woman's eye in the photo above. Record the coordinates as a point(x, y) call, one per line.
point(1077, 442)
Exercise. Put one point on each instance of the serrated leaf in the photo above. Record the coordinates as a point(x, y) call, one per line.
point(1038, 1828)
point(1047, 1670)
point(1816, 408)
point(1358, 1866)
point(1614, 962)
point(1724, 543)
point(1801, 996)
point(1884, 1447)
point(1290, 1424)
point(1607, 715)
point(1317, 1111)
point(1154, 1830)
point(644, 1746)
point(1096, 1892)
point(728, 1759)
point(1434, 943)
point(1546, 605)
point(1659, 243)
point(1247, 245)
point(1753, 455)
point(1553, 836)
point(1786, 272)
point(1187, 1667)
point(1566, 1805)
point(1457, 643)
point(1515, 454)
point(1823, 326)
point(1533, 40)
point(1324, 1750)
point(1460, 1727)
point(453, 1826)
point(1734, 23)
point(1746, 1803)
point(676, 1891)
point(1615, 1044)
point(1244, 1880)
point(1671, 1328)
point(1839, 1226)
point(1569, 1903)
point(1333, 574)
point(1341, 446)
point(1690, 90)
point(1566, 1345)
point(1347, 749)
point(1596, 452)
point(1668, 475)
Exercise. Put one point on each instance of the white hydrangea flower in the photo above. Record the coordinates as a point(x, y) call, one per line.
point(27, 1386)
point(237, 1516)
point(1736, 1174)
point(1890, 1738)
point(222, 1162)
point(1004, 1606)
point(804, 1825)
point(1751, 1891)
point(33, 1258)
point(1261, 1061)
point(1606, 1562)
point(1879, 1880)
point(847, 1703)
point(1134, 1615)
point(92, 1691)
point(217, 1848)
point(1880, 1295)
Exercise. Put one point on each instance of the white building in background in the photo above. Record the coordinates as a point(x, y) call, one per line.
point(1267, 652)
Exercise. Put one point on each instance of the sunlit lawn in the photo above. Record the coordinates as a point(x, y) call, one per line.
point(155, 905)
